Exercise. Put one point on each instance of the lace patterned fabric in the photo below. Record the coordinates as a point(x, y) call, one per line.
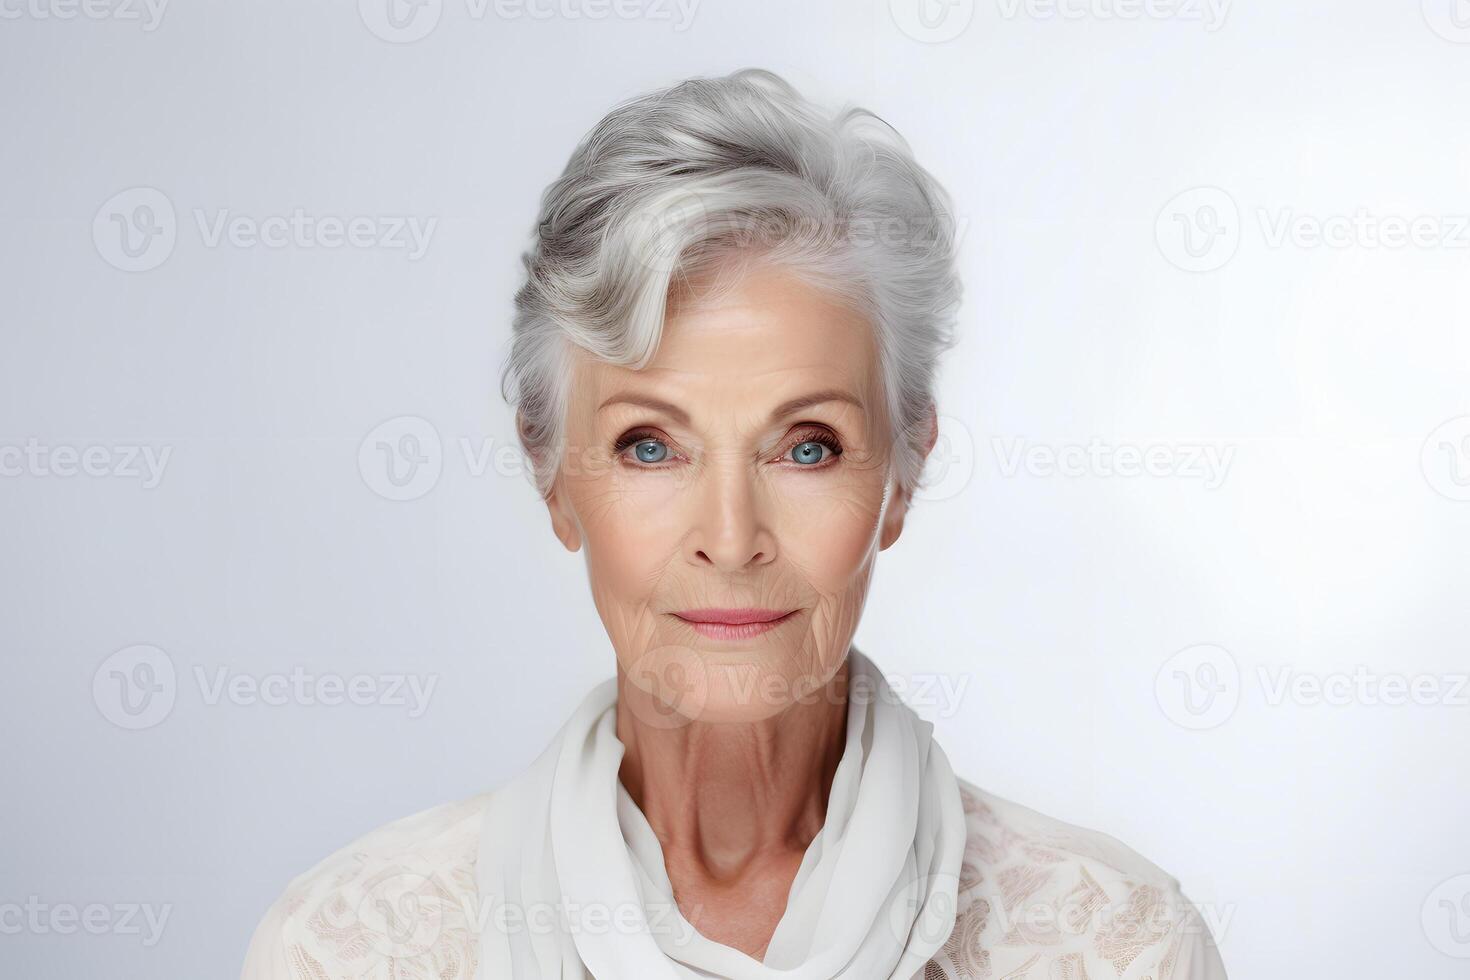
point(1038, 899)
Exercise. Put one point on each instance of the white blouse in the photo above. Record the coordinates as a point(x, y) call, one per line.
point(1038, 899)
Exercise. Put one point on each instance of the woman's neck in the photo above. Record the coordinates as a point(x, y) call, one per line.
point(725, 798)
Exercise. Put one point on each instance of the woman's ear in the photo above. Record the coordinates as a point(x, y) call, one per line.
point(899, 505)
point(563, 520)
point(893, 519)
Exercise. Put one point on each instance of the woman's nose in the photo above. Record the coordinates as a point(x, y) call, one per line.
point(730, 528)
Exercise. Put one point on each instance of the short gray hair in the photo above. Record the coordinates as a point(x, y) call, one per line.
point(670, 184)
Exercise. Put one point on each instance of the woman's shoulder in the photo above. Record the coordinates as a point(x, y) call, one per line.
point(397, 902)
point(1037, 893)
point(1003, 832)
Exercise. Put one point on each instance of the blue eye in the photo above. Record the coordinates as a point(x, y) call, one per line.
point(818, 452)
point(650, 451)
point(809, 452)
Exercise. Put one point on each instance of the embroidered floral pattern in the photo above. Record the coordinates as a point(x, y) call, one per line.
point(1042, 900)
point(396, 905)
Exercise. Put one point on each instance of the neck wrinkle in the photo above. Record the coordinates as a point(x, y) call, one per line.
point(728, 796)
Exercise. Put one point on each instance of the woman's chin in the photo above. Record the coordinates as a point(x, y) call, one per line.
point(721, 683)
point(734, 703)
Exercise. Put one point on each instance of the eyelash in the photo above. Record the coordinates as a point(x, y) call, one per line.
point(820, 435)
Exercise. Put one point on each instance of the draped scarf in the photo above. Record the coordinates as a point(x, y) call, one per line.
point(572, 884)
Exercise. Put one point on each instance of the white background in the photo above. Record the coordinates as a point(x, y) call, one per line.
point(1322, 839)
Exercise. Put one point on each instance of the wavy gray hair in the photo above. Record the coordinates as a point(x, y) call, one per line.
point(669, 187)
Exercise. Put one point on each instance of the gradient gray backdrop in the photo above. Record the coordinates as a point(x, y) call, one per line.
point(1191, 231)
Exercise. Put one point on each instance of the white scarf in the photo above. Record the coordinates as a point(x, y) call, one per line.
point(572, 881)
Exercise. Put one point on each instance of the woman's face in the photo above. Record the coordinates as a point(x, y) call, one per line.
point(746, 467)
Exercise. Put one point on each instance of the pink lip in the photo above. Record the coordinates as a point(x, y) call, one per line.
point(734, 624)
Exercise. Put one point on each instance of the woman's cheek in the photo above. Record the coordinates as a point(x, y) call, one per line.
point(831, 531)
point(625, 549)
point(629, 557)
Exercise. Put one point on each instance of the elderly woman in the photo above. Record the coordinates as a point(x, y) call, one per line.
point(723, 366)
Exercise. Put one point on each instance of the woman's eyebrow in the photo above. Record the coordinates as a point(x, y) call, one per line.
point(644, 401)
point(815, 398)
point(789, 407)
